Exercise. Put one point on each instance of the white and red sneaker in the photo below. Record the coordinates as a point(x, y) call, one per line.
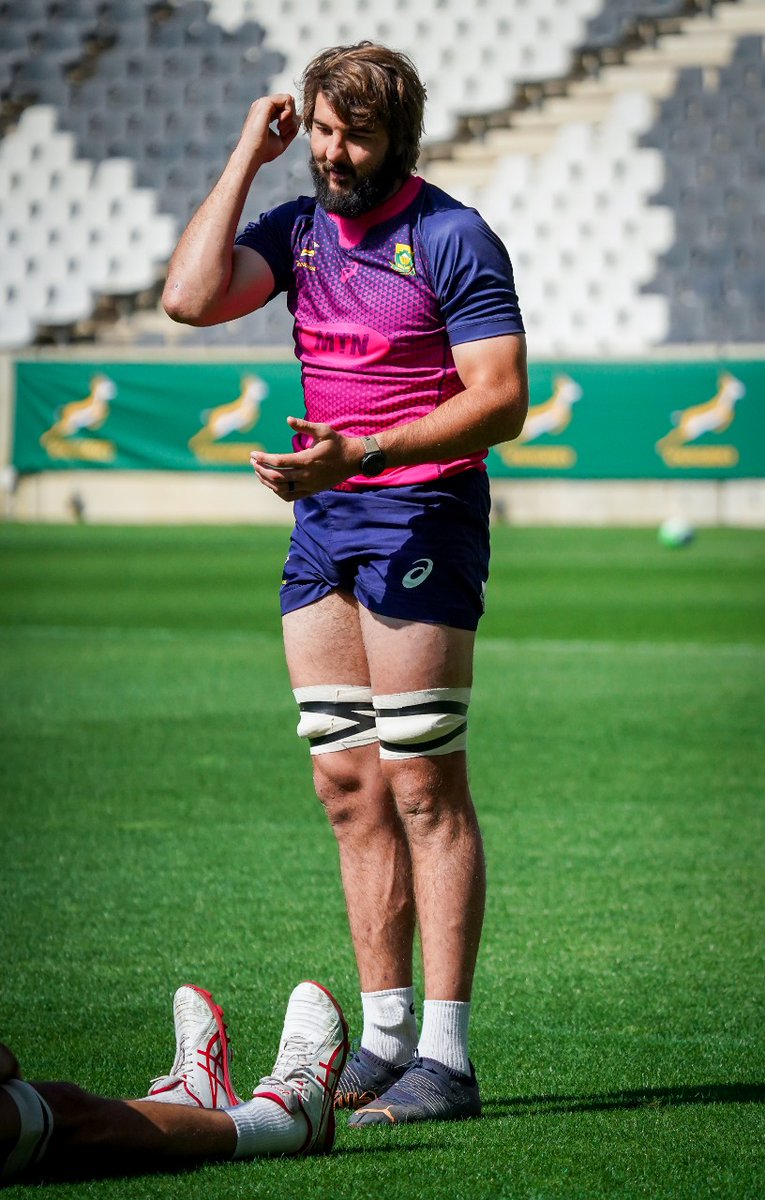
point(312, 1054)
point(200, 1074)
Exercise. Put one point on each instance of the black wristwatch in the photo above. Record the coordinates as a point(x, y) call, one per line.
point(373, 462)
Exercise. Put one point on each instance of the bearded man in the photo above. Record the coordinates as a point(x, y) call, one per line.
point(410, 337)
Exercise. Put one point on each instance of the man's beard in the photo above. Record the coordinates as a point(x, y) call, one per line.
point(364, 194)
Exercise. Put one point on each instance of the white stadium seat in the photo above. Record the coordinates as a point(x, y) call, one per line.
point(585, 211)
point(68, 231)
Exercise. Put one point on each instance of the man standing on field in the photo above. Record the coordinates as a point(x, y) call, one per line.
point(408, 329)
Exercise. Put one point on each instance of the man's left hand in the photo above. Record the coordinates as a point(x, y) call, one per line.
point(329, 460)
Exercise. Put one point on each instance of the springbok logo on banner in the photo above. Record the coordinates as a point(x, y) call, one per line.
point(713, 416)
point(550, 417)
point(77, 417)
point(238, 416)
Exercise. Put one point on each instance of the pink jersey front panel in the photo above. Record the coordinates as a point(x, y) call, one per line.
point(369, 328)
point(383, 359)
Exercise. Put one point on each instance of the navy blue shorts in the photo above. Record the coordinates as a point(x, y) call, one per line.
point(418, 552)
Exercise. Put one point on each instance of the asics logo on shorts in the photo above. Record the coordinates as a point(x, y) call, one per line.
point(419, 573)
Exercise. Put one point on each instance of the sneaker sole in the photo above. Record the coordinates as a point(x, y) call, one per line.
point(386, 1118)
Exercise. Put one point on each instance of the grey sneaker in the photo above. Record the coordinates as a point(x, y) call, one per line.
point(427, 1091)
point(365, 1077)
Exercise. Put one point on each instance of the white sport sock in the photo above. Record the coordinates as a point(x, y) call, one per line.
point(445, 1033)
point(390, 1026)
point(264, 1126)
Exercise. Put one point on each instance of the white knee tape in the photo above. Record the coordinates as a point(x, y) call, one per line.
point(422, 724)
point(336, 717)
point(36, 1128)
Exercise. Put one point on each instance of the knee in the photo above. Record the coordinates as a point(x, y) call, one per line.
point(342, 788)
point(427, 795)
point(413, 789)
point(355, 796)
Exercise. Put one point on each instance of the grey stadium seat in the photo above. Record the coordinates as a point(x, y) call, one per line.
point(714, 185)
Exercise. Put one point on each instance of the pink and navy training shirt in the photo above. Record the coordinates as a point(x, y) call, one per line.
point(379, 301)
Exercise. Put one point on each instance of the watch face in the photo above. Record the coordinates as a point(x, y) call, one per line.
point(373, 463)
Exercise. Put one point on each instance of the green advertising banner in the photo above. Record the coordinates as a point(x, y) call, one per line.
point(636, 420)
point(151, 416)
point(641, 420)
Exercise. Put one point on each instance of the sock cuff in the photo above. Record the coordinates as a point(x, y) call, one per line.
point(455, 1007)
point(267, 1125)
point(444, 1034)
point(390, 1026)
point(406, 993)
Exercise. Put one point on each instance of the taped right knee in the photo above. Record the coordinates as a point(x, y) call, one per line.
point(422, 724)
point(36, 1127)
point(336, 717)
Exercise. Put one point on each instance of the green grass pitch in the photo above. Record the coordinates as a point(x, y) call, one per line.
point(158, 827)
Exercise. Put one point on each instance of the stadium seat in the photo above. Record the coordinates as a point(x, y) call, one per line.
point(170, 94)
point(703, 134)
point(14, 44)
point(81, 11)
point(614, 20)
point(76, 231)
point(59, 43)
point(24, 13)
point(16, 326)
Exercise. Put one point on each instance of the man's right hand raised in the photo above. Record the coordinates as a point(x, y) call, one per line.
point(210, 280)
point(271, 126)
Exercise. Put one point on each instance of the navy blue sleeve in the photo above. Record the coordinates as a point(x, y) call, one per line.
point(472, 275)
point(271, 236)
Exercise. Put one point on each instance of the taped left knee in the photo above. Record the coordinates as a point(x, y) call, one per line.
point(336, 717)
point(422, 724)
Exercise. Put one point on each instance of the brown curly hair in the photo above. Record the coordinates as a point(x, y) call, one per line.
point(366, 83)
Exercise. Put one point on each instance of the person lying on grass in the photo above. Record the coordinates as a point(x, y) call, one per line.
point(191, 1114)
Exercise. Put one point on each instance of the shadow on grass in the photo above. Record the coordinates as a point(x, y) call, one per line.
point(55, 1173)
point(670, 1097)
point(94, 1170)
point(494, 1109)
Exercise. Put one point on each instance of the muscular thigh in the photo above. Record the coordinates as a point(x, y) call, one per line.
point(336, 641)
point(323, 643)
point(324, 649)
point(408, 656)
point(421, 677)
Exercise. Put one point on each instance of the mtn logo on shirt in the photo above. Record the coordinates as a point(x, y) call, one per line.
point(403, 259)
point(338, 344)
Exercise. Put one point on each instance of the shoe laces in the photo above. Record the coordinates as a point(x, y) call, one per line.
point(179, 1069)
point(295, 1059)
point(185, 1060)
